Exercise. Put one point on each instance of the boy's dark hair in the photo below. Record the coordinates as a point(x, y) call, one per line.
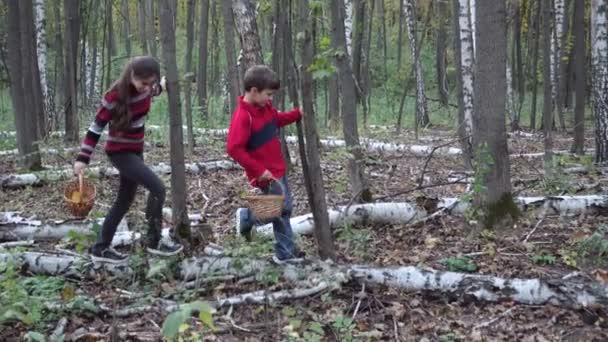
point(262, 78)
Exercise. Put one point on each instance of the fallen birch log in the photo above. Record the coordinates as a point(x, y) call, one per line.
point(406, 213)
point(61, 264)
point(19, 180)
point(570, 293)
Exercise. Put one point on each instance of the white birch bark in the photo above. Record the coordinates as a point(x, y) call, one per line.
point(556, 49)
point(467, 58)
point(511, 110)
point(473, 26)
point(599, 60)
point(348, 26)
point(41, 47)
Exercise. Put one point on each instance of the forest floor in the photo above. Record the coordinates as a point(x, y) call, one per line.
point(558, 246)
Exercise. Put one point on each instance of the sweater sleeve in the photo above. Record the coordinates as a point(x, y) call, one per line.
point(103, 116)
point(236, 144)
point(286, 118)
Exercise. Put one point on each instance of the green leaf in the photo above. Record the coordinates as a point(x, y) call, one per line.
point(199, 306)
point(317, 328)
point(207, 318)
point(172, 323)
point(35, 336)
point(156, 268)
point(295, 323)
point(288, 311)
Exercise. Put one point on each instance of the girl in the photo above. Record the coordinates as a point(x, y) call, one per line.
point(125, 106)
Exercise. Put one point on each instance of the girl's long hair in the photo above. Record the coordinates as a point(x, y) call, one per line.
point(143, 67)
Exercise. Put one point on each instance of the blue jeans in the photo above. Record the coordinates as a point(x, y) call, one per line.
point(284, 247)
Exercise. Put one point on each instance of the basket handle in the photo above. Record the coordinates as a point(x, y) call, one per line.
point(80, 182)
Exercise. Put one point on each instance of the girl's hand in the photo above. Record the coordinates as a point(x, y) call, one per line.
point(79, 168)
point(163, 83)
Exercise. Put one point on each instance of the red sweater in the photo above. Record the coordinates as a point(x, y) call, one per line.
point(253, 140)
point(131, 140)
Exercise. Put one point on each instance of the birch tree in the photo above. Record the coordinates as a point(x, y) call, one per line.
point(246, 25)
point(41, 51)
point(71, 10)
point(203, 46)
point(549, 87)
point(466, 57)
point(422, 116)
point(599, 60)
point(189, 76)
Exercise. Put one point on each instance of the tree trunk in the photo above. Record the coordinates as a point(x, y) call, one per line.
point(356, 165)
point(35, 88)
point(440, 52)
point(518, 70)
point(382, 37)
point(59, 88)
point(315, 189)
point(422, 116)
point(400, 34)
point(537, 29)
point(201, 78)
point(246, 25)
point(126, 21)
point(151, 27)
point(348, 26)
point(549, 84)
point(141, 16)
point(280, 66)
point(71, 9)
point(229, 47)
point(599, 57)
point(215, 50)
point(465, 60)
point(110, 21)
point(358, 40)
point(489, 113)
point(41, 52)
point(557, 51)
point(366, 85)
point(94, 90)
point(109, 39)
point(19, 42)
point(189, 76)
point(178, 172)
point(578, 146)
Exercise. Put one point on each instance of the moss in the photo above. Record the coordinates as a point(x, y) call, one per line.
point(499, 210)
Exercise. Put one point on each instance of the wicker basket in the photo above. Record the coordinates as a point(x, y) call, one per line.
point(266, 207)
point(79, 207)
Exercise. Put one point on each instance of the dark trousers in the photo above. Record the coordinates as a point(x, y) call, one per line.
point(133, 171)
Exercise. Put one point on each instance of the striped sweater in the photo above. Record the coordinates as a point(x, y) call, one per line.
point(131, 140)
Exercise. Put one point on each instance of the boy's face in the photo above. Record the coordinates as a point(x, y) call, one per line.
point(261, 98)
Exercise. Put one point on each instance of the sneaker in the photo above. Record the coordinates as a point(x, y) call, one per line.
point(298, 257)
point(165, 248)
point(109, 255)
point(246, 230)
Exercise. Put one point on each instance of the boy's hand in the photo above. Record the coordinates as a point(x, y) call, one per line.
point(79, 168)
point(266, 176)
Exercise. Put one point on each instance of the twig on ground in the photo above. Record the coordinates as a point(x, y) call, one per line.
point(430, 156)
point(494, 320)
point(542, 217)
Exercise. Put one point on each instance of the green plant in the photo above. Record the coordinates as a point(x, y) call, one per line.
point(176, 324)
point(459, 264)
point(544, 258)
point(359, 241)
point(344, 328)
point(595, 246)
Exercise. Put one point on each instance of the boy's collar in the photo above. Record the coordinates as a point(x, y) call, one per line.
point(249, 106)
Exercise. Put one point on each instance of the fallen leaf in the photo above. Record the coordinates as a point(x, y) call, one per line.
point(601, 276)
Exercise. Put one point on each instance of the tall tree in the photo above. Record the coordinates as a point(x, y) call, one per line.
point(556, 58)
point(356, 163)
point(189, 76)
point(599, 58)
point(151, 27)
point(535, 59)
point(126, 26)
point(178, 169)
point(315, 188)
point(59, 74)
point(246, 25)
point(548, 86)
point(400, 34)
point(71, 10)
point(201, 75)
point(229, 48)
point(143, 33)
point(580, 75)
point(358, 38)
point(21, 78)
point(490, 136)
point(41, 52)
point(440, 52)
point(465, 55)
point(422, 116)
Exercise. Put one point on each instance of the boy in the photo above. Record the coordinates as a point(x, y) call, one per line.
point(253, 143)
